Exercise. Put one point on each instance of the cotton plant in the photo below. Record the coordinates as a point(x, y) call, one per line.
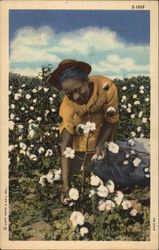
point(37, 153)
point(136, 162)
point(50, 177)
point(113, 147)
point(111, 186)
point(11, 125)
point(131, 143)
point(69, 153)
point(134, 104)
point(95, 180)
point(126, 204)
point(73, 194)
point(110, 200)
point(118, 197)
point(103, 192)
point(86, 129)
point(73, 197)
point(77, 218)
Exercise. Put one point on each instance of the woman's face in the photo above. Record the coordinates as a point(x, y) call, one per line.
point(77, 91)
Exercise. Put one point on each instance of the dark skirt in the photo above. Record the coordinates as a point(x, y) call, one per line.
point(112, 167)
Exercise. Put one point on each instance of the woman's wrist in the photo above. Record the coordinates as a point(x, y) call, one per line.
point(65, 187)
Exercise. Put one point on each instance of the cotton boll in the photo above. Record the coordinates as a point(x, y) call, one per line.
point(95, 180)
point(101, 205)
point(132, 116)
point(133, 212)
point(125, 162)
point(113, 147)
point(57, 175)
point(39, 119)
point(142, 135)
point(50, 177)
point(140, 114)
point(134, 96)
point(41, 150)
point(102, 191)
point(133, 134)
point(126, 204)
point(147, 99)
point(136, 162)
point(83, 231)
point(77, 218)
point(46, 89)
point(33, 157)
point(73, 194)
point(53, 110)
point(49, 152)
point(139, 128)
point(124, 88)
point(31, 108)
point(42, 180)
point(12, 106)
point(144, 120)
point(119, 197)
point(111, 186)
point(35, 100)
point(12, 116)
point(131, 142)
point(69, 153)
point(141, 91)
point(92, 192)
point(34, 90)
point(109, 205)
point(28, 96)
point(11, 125)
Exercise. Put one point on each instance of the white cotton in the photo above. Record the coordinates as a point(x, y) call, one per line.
point(110, 186)
point(136, 162)
point(113, 147)
point(126, 204)
point(101, 205)
point(95, 180)
point(77, 218)
point(83, 231)
point(119, 197)
point(102, 191)
point(73, 194)
point(69, 153)
point(133, 212)
point(109, 205)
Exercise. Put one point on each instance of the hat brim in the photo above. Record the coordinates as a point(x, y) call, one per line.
point(82, 65)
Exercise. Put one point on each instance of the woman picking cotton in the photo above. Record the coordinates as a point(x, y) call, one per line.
point(90, 105)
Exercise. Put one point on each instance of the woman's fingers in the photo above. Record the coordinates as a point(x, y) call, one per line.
point(64, 197)
point(98, 156)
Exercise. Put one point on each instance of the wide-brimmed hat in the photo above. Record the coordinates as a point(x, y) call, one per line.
point(65, 64)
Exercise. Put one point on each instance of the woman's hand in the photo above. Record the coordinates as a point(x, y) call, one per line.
point(100, 151)
point(64, 196)
point(106, 134)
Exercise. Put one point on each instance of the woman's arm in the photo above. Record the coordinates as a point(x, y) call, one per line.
point(106, 134)
point(66, 141)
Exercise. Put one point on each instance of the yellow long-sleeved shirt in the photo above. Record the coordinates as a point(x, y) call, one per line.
point(95, 110)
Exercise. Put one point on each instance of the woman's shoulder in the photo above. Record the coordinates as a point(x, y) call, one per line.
point(67, 106)
point(101, 81)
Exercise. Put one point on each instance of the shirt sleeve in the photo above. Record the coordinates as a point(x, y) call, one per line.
point(111, 105)
point(67, 116)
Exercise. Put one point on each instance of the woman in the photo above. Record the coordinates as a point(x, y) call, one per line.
point(93, 99)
